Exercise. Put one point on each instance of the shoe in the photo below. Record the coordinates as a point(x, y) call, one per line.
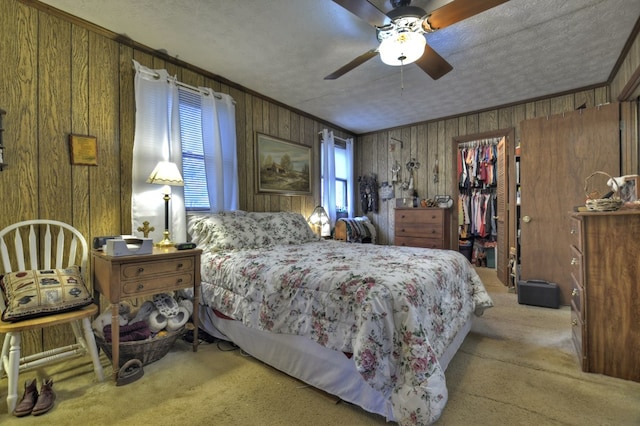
point(25, 406)
point(130, 372)
point(46, 398)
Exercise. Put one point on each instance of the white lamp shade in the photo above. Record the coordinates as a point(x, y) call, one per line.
point(402, 48)
point(166, 173)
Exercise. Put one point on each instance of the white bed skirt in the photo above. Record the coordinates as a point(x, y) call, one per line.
point(322, 368)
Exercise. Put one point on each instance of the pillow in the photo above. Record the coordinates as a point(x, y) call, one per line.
point(31, 294)
point(227, 231)
point(285, 227)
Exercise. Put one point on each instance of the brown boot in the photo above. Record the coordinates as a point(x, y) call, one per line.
point(25, 406)
point(46, 398)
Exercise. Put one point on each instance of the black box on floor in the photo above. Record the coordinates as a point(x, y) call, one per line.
point(539, 293)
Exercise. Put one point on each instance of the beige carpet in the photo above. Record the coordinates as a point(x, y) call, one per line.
point(516, 367)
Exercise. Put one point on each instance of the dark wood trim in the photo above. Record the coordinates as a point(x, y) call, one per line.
point(625, 51)
point(629, 89)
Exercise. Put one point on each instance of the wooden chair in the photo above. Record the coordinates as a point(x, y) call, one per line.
point(69, 248)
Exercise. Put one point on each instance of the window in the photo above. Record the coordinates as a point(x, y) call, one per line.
point(193, 170)
point(342, 180)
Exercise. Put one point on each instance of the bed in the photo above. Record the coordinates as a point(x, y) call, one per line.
point(373, 325)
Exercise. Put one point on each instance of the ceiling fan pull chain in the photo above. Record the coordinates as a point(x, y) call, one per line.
point(401, 77)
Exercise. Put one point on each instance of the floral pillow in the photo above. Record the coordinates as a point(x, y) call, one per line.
point(30, 294)
point(285, 227)
point(227, 231)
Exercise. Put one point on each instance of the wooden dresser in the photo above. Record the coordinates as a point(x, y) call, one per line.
point(422, 227)
point(605, 299)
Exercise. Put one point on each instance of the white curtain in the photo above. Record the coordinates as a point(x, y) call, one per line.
point(221, 161)
point(157, 138)
point(350, 179)
point(329, 175)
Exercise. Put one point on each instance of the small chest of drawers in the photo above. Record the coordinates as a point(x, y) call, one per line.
point(605, 305)
point(422, 227)
point(124, 277)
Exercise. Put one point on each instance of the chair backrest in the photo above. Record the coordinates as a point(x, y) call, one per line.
point(49, 244)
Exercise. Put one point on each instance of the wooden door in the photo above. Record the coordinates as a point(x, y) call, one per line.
point(558, 153)
point(502, 214)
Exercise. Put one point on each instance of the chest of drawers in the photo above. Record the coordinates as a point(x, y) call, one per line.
point(422, 227)
point(118, 278)
point(605, 306)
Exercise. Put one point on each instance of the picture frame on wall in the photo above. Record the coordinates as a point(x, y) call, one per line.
point(84, 150)
point(282, 167)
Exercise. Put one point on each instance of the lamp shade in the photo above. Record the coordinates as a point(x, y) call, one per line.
point(319, 216)
point(402, 48)
point(166, 173)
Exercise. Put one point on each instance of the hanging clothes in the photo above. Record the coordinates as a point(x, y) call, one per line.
point(477, 164)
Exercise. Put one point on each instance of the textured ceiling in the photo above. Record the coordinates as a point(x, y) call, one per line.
point(283, 49)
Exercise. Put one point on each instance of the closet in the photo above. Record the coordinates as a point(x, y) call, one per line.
point(481, 216)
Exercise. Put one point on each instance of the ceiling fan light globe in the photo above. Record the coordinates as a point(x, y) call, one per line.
point(402, 48)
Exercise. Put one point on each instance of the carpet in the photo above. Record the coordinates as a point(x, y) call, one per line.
point(516, 367)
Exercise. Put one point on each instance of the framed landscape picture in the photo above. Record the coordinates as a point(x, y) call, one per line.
point(282, 167)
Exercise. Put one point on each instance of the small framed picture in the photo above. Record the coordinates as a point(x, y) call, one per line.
point(84, 150)
point(630, 190)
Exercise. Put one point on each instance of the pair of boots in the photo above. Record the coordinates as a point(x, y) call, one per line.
point(34, 403)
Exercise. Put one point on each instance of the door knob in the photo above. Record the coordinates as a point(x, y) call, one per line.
point(526, 219)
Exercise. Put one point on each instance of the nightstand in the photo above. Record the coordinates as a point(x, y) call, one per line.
point(119, 278)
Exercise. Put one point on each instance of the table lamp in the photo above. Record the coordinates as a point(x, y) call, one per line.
point(320, 220)
point(166, 173)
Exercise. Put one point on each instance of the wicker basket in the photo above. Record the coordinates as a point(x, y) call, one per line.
point(594, 202)
point(147, 351)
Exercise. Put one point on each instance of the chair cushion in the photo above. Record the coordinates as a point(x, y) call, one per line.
point(30, 294)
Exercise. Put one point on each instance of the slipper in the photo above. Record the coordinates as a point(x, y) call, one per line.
point(157, 321)
point(166, 304)
point(175, 323)
point(130, 372)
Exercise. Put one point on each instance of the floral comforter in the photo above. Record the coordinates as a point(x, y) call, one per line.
point(395, 308)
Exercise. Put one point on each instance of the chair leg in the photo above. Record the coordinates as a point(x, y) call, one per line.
point(5, 354)
point(13, 369)
point(90, 341)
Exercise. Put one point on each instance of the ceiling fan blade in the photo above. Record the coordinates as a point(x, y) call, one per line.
point(433, 64)
point(351, 65)
point(364, 10)
point(459, 10)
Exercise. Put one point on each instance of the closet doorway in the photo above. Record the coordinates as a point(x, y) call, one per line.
point(504, 233)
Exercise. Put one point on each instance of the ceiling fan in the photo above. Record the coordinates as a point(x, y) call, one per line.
point(401, 32)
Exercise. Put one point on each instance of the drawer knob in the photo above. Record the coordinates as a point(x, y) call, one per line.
point(574, 261)
point(140, 286)
point(574, 322)
point(433, 231)
point(179, 280)
point(573, 231)
point(179, 265)
point(140, 270)
point(575, 292)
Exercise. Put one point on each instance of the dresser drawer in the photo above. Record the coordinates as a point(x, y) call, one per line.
point(435, 243)
point(576, 232)
point(147, 269)
point(577, 297)
point(419, 230)
point(422, 216)
point(576, 265)
point(577, 332)
point(163, 283)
